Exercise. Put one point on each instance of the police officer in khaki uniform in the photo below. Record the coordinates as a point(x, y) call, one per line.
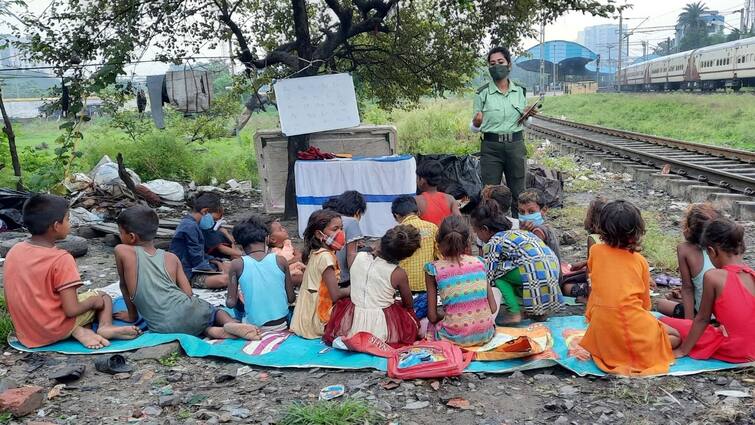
point(498, 106)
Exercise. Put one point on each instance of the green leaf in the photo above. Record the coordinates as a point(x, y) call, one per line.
point(67, 125)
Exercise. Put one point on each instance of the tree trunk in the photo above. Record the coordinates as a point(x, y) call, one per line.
point(8, 129)
point(301, 142)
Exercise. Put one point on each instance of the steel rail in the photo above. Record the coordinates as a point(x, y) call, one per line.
point(597, 140)
point(738, 154)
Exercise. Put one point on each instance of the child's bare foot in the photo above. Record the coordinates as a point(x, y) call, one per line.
point(118, 332)
point(89, 339)
point(242, 330)
point(510, 319)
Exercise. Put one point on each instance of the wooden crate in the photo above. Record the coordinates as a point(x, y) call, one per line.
point(272, 155)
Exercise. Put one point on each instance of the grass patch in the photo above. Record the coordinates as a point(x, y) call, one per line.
point(5, 417)
point(170, 360)
point(6, 325)
point(718, 119)
point(331, 413)
point(568, 217)
point(658, 246)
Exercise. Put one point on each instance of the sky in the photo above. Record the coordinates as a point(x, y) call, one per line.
point(657, 12)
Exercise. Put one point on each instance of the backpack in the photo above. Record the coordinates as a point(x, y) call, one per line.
point(428, 359)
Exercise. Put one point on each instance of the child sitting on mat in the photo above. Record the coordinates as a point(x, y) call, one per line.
point(219, 242)
point(40, 284)
point(469, 306)
point(729, 294)
point(260, 285)
point(433, 205)
point(375, 279)
point(693, 263)
point(155, 287)
point(576, 284)
point(280, 244)
point(323, 237)
point(404, 209)
point(519, 264)
point(203, 271)
point(622, 334)
point(532, 211)
point(352, 206)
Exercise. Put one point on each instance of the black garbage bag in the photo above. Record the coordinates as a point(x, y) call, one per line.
point(11, 205)
point(461, 175)
point(549, 182)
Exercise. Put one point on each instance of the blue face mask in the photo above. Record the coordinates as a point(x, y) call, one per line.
point(207, 222)
point(535, 217)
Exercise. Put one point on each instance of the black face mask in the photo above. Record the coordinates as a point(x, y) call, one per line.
point(499, 72)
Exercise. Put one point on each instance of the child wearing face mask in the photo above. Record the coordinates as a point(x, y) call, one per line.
point(532, 210)
point(351, 205)
point(260, 289)
point(323, 237)
point(203, 270)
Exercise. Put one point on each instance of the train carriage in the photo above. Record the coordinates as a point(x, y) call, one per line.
point(726, 65)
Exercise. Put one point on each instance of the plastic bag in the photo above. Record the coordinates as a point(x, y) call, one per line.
point(549, 182)
point(459, 171)
point(167, 190)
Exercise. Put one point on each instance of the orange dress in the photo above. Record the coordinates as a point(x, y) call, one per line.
point(622, 335)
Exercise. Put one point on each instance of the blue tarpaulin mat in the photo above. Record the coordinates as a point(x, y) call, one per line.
point(282, 350)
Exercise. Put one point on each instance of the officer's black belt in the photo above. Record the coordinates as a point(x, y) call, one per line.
point(502, 138)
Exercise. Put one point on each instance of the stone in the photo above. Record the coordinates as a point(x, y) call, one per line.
point(417, 405)
point(121, 376)
point(225, 418)
point(517, 375)
point(240, 413)
point(204, 415)
point(568, 390)
point(22, 401)
point(168, 400)
point(6, 384)
point(152, 411)
point(744, 210)
point(157, 352)
point(568, 404)
point(722, 380)
point(562, 420)
point(542, 377)
point(568, 238)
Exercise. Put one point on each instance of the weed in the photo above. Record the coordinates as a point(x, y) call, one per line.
point(568, 217)
point(5, 417)
point(6, 325)
point(659, 247)
point(331, 413)
point(184, 414)
point(170, 360)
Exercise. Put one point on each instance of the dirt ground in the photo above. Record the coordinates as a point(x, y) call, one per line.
point(185, 390)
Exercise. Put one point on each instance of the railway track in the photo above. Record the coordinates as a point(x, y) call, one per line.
point(729, 169)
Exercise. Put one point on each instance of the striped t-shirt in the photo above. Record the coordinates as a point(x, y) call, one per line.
point(463, 289)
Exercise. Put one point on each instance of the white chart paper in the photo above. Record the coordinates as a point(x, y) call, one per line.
point(314, 104)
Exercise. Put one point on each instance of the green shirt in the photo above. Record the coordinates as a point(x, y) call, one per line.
point(499, 110)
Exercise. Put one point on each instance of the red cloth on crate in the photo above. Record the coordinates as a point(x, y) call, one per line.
point(314, 153)
point(402, 326)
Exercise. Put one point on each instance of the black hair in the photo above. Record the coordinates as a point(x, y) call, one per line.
point(453, 237)
point(250, 230)
point(42, 211)
point(404, 205)
point(399, 243)
point(621, 225)
point(208, 200)
point(696, 219)
point(318, 221)
point(501, 194)
point(532, 195)
point(431, 171)
point(349, 203)
point(725, 235)
point(592, 218)
point(489, 214)
point(502, 50)
point(139, 220)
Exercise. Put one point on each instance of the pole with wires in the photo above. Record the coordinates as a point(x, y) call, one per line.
point(542, 55)
point(621, 38)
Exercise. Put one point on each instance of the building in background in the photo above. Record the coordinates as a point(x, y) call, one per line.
point(603, 40)
point(714, 24)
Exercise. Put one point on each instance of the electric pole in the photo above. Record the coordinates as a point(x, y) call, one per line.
point(621, 39)
point(542, 54)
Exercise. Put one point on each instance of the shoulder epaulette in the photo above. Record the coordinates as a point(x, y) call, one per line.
point(483, 88)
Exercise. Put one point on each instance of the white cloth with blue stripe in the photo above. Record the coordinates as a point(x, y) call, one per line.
point(379, 179)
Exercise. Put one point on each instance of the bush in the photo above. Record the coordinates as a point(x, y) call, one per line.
point(157, 155)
